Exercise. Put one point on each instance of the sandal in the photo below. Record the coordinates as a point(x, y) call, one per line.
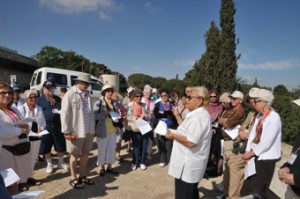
point(22, 187)
point(102, 172)
point(34, 182)
point(119, 159)
point(86, 180)
point(76, 184)
point(112, 171)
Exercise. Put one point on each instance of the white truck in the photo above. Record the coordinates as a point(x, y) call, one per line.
point(64, 78)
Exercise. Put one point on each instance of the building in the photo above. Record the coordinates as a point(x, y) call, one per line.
point(16, 68)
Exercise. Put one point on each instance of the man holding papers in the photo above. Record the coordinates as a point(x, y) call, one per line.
point(191, 145)
point(233, 175)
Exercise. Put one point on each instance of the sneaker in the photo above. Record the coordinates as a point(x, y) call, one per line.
point(143, 166)
point(64, 166)
point(49, 168)
point(162, 164)
point(133, 167)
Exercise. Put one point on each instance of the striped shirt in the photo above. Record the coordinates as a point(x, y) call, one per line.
point(84, 96)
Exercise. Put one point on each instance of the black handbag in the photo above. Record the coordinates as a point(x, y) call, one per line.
point(34, 128)
point(18, 149)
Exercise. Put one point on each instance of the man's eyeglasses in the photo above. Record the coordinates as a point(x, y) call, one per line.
point(189, 97)
point(4, 93)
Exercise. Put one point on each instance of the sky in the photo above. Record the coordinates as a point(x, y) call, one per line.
point(158, 37)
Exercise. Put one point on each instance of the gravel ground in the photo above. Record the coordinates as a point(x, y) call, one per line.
point(154, 182)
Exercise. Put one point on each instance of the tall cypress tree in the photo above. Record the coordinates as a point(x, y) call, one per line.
point(227, 61)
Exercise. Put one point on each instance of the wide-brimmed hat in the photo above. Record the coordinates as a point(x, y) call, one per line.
point(105, 87)
point(297, 101)
point(27, 93)
point(84, 77)
point(237, 94)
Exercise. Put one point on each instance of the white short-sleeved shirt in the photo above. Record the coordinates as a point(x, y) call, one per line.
point(189, 164)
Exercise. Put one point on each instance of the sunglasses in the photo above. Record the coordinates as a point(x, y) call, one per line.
point(164, 95)
point(4, 93)
point(257, 100)
point(213, 96)
point(138, 96)
point(189, 97)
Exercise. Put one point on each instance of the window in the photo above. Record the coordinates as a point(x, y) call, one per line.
point(96, 86)
point(32, 83)
point(60, 79)
point(39, 78)
point(72, 80)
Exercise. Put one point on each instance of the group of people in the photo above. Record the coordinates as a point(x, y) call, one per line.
point(204, 131)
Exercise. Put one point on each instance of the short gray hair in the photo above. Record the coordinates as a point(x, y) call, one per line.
point(202, 92)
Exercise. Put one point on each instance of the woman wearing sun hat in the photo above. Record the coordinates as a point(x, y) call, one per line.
point(105, 130)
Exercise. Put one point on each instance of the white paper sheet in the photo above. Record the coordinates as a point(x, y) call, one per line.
point(9, 176)
point(40, 134)
point(249, 168)
point(32, 194)
point(161, 128)
point(114, 116)
point(233, 132)
point(143, 126)
point(26, 120)
point(56, 111)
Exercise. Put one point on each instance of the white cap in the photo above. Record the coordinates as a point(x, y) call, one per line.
point(253, 92)
point(237, 94)
point(265, 95)
point(27, 93)
point(297, 102)
point(130, 89)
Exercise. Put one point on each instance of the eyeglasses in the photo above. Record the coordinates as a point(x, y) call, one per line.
point(212, 96)
point(110, 90)
point(4, 93)
point(138, 96)
point(257, 100)
point(189, 97)
point(164, 95)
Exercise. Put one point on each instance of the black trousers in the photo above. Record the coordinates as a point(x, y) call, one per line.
point(184, 190)
point(259, 183)
point(164, 146)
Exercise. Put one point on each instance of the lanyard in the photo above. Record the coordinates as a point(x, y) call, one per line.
point(12, 115)
point(259, 127)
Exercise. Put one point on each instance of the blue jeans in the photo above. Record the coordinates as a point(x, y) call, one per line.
point(140, 144)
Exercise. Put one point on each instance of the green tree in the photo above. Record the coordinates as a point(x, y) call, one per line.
point(139, 80)
point(227, 61)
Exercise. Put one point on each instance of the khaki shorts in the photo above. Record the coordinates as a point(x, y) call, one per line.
point(80, 145)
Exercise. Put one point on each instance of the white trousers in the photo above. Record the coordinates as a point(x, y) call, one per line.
point(107, 149)
point(34, 151)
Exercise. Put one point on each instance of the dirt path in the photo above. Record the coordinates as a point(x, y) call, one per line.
point(154, 182)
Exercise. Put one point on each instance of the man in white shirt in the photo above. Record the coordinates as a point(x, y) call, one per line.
point(78, 126)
